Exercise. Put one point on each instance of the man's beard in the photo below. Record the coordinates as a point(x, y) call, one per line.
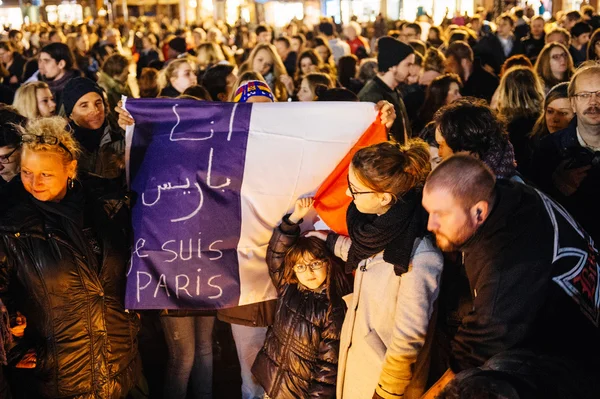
point(464, 234)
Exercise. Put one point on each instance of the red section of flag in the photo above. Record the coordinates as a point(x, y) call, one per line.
point(331, 201)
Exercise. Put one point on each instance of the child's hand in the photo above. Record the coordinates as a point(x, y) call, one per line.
point(301, 209)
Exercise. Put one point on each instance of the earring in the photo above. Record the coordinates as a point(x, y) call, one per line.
point(70, 183)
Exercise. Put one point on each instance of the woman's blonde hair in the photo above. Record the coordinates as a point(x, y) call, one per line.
point(542, 66)
point(278, 69)
point(26, 99)
point(209, 54)
point(520, 94)
point(171, 70)
point(67, 147)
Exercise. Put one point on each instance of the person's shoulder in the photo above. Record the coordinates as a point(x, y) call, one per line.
point(563, 138)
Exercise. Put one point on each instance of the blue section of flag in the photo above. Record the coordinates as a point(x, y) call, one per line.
point(186, 166)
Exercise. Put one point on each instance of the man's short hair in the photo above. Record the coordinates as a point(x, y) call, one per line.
point(540, 18)
point(519, 12)
point(9, 132)
point(562, 31)
point(60, 52)
point(573, 15)
point(460, 50)
point(261, 29)
point(465, 177)
point(580, 28)
point(215, 79)
point(587, 10)
point(13, 33)
point(588, 68)
point(415, 26)
point(469, 124)
point(326, 28)
point(285, 40)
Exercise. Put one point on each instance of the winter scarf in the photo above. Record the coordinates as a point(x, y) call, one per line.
point(394, 232)
point(501, 160)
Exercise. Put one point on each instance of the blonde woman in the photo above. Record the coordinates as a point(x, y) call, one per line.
point(520, 102)
point(209, 54)
point(177, 77)
point(34, 100)
point(554, 65)
point(265, 60)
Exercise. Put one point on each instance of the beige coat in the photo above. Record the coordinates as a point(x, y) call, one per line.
point(386, 323)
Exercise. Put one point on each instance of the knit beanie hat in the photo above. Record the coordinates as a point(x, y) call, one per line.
point(178, 44)
point(77, 88)
point(391, 52)
point(252, 88)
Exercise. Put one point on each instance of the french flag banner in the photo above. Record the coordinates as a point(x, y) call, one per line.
point(212, 180)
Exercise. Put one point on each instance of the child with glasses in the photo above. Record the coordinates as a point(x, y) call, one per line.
point(300, 354)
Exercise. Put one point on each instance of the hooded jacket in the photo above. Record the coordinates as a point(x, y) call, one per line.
point(72, 296)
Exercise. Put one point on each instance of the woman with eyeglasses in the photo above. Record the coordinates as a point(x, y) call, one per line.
point(300, 354)
point(10, 143)
point(64, 250)
point(554, 65)
point(397, 272)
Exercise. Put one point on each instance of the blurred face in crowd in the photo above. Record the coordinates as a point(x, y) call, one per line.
point(350, 33)
point(366, 200)
point(537, 28)
point(305, 93)
point(282, 49)
point(45, 102)
point(582, 39)
point(323, 52)
point(451, 223)
point(263, 62)
point(504, 28)
point(587, 109)
point(401, 70)
point(113, 36)
point(295, 45)
point(408, 34)
point(146, 43)
point(310, 278)
point(414, 72)
point(89, 111)
point(6, 57)
point(49, 68)
point(476, 25)
point(264, 37)
point(558, 38)
point(452, 65)
point(229, 85)
point(9, 162)
point(453, 93)
point(558, 114)
point(83, 43)
point(16, 40)
point(558, 62)
point(45, 175)
point(307, 66)
point(184, 77)
point(55, 38)
point(444, 151)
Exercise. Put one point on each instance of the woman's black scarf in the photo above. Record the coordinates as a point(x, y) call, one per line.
point(394, 232)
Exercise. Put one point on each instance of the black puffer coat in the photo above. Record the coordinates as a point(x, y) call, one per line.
point(300, 354)
point(86, 344)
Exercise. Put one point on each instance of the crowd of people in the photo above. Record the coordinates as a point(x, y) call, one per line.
point(471, 265)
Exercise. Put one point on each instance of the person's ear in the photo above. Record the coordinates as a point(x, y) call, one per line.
point(386, 199)
point(72, 169)
point(62, 64)
point(479, 212)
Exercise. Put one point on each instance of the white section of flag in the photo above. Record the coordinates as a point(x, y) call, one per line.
point(291, 149)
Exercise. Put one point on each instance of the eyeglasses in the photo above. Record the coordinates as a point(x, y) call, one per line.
point(5, 159)
point(557, 57)
point(314, 265)
point(355, 193)
point(45, 139)
point(587, 95)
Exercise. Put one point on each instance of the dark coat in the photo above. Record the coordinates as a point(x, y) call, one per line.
point(524, 294)
point(533, 47)
point(481, 84)
point(376, 90)
point(490, 51)
point(146, 57)
point(552, 151)
point(85, 341)
point(300, 354)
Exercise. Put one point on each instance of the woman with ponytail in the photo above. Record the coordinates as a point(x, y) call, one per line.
point(397, 271)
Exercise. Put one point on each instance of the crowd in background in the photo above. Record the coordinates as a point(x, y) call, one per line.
point(494, 129)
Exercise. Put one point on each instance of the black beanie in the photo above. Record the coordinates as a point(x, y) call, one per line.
point(77, 88)
point(391, 52)
point(178, 44)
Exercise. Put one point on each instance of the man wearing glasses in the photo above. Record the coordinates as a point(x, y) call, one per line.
point(567, 163)
point(9, 143)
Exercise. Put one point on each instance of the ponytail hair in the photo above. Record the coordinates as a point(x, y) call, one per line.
point(393, 168)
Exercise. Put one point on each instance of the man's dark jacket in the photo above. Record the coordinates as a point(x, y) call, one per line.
point(481, 83)
point(533, 277)
point(490, 51)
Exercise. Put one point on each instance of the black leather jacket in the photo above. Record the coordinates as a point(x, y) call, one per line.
point(300, 354)
point(85, 341)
